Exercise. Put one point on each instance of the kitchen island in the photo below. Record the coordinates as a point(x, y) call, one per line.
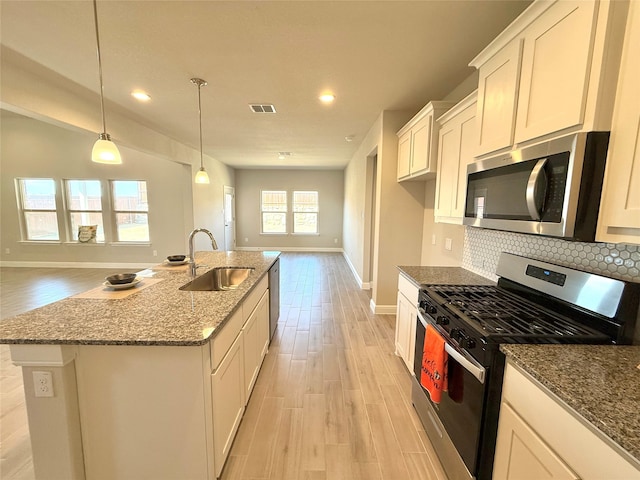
point(150, 384)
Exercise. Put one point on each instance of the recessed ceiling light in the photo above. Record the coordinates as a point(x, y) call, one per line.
point(327, 98)
point(283, 155)
point(140, 95)
point(349, 138)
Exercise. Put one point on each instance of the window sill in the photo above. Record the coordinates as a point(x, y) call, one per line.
point(129, 244)
point(306, 234)
point(284, 234)
point(41, 242)
point(93, 244)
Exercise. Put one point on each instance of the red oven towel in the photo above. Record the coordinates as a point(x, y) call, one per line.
point(433, 376)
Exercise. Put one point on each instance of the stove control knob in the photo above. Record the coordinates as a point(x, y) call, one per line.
point(431, 309)
point(442, 320)
point(468, 343)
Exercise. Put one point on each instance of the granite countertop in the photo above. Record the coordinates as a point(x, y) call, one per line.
point(159, 314)
point(443, 276)
point(600, 382)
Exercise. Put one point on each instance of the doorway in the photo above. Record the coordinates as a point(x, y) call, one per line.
point(371, 175)
point(229, 218)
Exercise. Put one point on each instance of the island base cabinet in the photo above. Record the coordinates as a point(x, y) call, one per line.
point(406, 317)
point(228, 393)
point(145, 412)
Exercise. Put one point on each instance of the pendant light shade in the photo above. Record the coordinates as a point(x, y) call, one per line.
point(201, 176)
point(104, 150)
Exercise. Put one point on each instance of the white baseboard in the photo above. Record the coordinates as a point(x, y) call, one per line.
point(361, 284)
point(382, 309)
point(290, 249)
point(129, 266)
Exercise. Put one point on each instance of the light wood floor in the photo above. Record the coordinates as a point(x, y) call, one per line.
point(332, 400)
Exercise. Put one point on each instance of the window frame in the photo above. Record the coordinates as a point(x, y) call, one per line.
point(22, 209)
point(315, 212)
point(285, 212)
point(69, 211)
point(115, 211)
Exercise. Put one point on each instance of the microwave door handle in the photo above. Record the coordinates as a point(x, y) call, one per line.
point(474, 368)
point(537, 180)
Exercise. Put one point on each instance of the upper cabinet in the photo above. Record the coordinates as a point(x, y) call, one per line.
point(418, 143)
point(619, 219)
point(551, 71)
point(457, 146)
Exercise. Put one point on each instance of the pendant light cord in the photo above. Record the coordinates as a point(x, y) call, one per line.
point(200, 120)
point(95, 16)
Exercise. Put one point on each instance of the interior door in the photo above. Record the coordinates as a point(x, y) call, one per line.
point(229, 218)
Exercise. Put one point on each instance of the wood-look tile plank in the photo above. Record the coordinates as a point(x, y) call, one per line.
point(336, 429)
point(301, 345)
point(348, 370)
point(360, 437)
point(296, 387)
point(315, 337)
point(279, 380)
point(287, 456)
point(420, 467)
point(287, 340)
point(313, 443)
point(331, 368)
point(233, 467)
point(387, 448)
point(261, 451)
point(400, 416)
point(314, 381)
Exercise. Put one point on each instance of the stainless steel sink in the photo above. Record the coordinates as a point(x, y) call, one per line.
point(219, 278)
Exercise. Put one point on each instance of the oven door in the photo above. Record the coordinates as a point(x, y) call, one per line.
point(461, 408)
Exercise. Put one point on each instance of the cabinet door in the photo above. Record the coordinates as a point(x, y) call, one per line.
point(263, 324)
point(404, 155)
point(227, 385)
point(497, 91)
point(555, 69)
point(448, 159)
point(406, 314)
point(619, 220)
point(522, 455)
point(421, 160)
point(252, 351)
point(468, 147)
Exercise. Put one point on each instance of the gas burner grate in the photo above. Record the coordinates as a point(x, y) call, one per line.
point(502, 313)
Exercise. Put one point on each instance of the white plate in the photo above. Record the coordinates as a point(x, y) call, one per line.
point(123, 286)
point(175, 264)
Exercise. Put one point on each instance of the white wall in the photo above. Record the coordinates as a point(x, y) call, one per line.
point(31, 148)
point(35, 92)
point(399, 212)
point(330, 187)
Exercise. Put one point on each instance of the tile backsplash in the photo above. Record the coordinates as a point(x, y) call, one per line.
point(482, 249)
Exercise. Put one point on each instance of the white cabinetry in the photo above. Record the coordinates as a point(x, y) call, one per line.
point(549, 71)
point(256, 340)
point(619, 220)
point(540, 438)
point(228, 393)
point(406, 317)
point(457, 146)
point(418, 143)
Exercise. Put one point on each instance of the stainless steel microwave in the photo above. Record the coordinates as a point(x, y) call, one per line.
point(551, 189)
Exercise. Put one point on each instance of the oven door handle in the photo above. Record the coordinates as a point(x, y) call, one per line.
point(469, 364)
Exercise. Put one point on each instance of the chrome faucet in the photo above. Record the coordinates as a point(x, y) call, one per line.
point(192, 260)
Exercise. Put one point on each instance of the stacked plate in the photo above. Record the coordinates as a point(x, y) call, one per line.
point(121, 281)
point(176, 260)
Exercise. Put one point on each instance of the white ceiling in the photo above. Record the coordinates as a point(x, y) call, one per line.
point(373, 55)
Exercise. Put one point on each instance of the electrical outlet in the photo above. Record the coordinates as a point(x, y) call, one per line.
point(43, 384)
point(155, 253)
point(246, 239)
point(447, 244)
point(335, 240)
point(7, 251)
point(433, 239)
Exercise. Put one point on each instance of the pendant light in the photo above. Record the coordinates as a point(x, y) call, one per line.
point(104, 150)
point(201, 176)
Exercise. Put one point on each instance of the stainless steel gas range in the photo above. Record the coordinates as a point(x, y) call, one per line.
point(533, 302)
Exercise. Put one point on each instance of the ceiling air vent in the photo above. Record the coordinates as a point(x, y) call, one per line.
point(262, 108)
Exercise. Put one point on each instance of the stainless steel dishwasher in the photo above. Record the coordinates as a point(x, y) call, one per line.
point(274, 297)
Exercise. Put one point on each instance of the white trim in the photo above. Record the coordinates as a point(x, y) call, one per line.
point(76, 264)
point(39, 355)
point(290, 249)
point(382, 309)
point(361, 284)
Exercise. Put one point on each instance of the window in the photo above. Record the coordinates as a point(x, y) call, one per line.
point(305, 212)
point(274, 211)
point(37, 197)
point(84, 206)
point(131, 210)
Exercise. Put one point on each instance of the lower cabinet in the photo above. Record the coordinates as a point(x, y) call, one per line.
point(228, 393)
point(255, 337)
point(540, 437)
point(406, 316)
